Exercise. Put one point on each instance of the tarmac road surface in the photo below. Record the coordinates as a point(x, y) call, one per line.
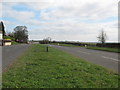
point(10, 53)
point(107, 59)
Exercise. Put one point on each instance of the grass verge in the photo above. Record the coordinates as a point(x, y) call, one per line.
point(14, 43)
point(105, 49)
point(68, 45)
point(56, 69)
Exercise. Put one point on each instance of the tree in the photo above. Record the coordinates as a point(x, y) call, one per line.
point(46, 40)
point(11, 34)
point(49, 39)
point(2, 28)
point(21, 34)
point(102, 37)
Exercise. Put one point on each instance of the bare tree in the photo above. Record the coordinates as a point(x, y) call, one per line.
point(102, 37)
point(47, 40)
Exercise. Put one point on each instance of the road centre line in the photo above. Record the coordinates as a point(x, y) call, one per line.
point(110, 58)
point(102, 56)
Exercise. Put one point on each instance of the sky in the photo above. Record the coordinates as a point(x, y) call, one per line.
point(62, 20)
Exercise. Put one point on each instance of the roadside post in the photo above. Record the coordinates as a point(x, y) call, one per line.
point(47, 49)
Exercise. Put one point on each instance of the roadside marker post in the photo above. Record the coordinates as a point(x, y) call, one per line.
point(47, 49)
point(85, 45)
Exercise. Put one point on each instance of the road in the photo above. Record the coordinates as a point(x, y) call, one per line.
point(10, 53)
point(103, 58)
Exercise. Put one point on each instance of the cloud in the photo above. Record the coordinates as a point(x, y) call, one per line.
point(0, 9)
point(79, 8)
point(96, 10)
point(18, 15)
point(65, 19)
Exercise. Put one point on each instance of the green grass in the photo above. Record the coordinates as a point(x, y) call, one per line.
point(14, 43)
point(95, 48)
point(68, 45)
point(8, 37)
point(105, 49)
point(56, 69)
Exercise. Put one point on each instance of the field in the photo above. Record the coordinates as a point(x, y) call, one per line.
point(89, 47)
point(56, 69)
point(68, 45)
point(105, 49)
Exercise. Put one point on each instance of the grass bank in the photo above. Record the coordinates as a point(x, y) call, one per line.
point(105, 49)
point(68, 45)
point(56, 69)
point(14, 43)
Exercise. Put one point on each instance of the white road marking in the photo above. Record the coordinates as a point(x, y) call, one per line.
point(101, 52)
point(84, 52)
point(110, 58)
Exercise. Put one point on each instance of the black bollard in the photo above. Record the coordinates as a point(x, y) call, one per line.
point(47, 49)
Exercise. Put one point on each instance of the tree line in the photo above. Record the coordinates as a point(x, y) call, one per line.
point(20, 35)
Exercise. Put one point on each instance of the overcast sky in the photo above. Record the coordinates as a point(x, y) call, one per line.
point(71, 20)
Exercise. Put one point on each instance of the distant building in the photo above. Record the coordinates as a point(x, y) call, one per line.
point(2, 32)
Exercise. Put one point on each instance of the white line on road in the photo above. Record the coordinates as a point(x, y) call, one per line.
point(84, 52)
point(110, 58)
